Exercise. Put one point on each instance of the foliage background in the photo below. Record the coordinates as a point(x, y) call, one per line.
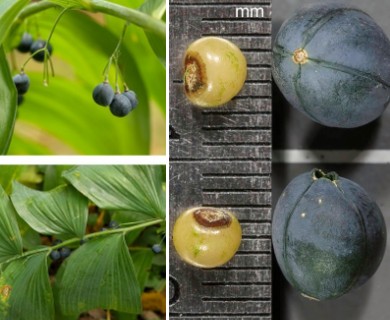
point(39, 204)
point(62, 118)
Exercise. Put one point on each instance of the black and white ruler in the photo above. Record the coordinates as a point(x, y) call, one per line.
point(221, 157)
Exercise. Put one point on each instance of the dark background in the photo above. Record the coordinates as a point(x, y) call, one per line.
point(292, 130)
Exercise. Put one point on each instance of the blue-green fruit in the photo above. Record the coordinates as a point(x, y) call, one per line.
point(120, 105)
point(132, 97)
point(328, 235)
point(65, 252)
point(103, 94)
point(25, 43)
point(38, 45)
point(55, 255)
point(332, 63)
point(22, 83)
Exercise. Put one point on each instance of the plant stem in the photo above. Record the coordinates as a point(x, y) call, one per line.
point(46, 52)
point(89, 236)
point(115, 56)
point(34, 8)
point(136, 17)
point(131, 15)
point(55, 24)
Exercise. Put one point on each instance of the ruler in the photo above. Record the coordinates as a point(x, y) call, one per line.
point(221, 157)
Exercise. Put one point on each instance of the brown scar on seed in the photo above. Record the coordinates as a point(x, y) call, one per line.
point(195, 78)
point(212, 218)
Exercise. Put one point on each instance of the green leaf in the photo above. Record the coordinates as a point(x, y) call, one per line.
point(7, 102)
point(53, 176)
point(158, 45)
point(142, 260)
point(61, 211)
point(132, 188)
point(10, 238)
point(7, 175)
point(100, 274)
point(30, 238)
point(9, 9)
point(25, 289)
point(156, 8)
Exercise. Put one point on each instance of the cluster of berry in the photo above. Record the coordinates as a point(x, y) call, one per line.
point(120, 103)
point(62, 253)
point(28, 44)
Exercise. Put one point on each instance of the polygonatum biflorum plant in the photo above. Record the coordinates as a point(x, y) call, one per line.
point(73, 239)
point(61, 59)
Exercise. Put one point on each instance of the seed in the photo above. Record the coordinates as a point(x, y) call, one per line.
point(214, 71)
point(206, 237)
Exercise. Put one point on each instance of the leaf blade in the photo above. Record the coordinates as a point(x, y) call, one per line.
point(7, 175)
point(10, 237)
point(9, 9)
point(156, 8)
point(107, 259)
point(25, 289)
point(132, 188)
point(61, 211)
point(8, 101)
point(142, 262)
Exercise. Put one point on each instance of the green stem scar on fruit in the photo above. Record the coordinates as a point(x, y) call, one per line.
point(300, 56)
point(316, 76)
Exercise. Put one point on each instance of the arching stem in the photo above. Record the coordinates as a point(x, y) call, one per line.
point(136, 17)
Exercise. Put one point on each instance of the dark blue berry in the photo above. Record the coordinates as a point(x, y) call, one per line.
point(103, 94)
point(57, 241)
point(132, 97)
point(113, 224)
point(22, 83)
point(55, 255)
point(37, 45)
point(65, 252)
point(120, 105)
point(156, 248)
point(25, 43)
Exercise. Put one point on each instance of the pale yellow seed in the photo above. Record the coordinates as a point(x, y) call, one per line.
point(214, 71)
point(206, 246)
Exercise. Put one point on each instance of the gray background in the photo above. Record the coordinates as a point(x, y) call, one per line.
point(292, 130)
